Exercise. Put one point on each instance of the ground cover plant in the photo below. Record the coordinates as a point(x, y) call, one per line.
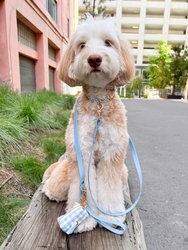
point(32, 129)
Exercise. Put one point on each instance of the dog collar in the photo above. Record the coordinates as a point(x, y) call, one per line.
point(105, 99)
point(100, 102)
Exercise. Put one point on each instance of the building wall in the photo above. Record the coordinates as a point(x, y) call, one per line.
point(34, 14)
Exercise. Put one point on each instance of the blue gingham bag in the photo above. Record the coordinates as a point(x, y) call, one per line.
point(70, 221)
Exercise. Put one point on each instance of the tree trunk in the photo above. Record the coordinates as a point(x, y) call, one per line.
point(94, 1)
point(173, 89)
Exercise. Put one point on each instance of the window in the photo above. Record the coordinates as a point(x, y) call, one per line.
point(27, 74)
point(153, 29)
point(26, 36)
point(130, 12)
point(51, 78)
point(134, 44)
point(51, 52)
point(52, 9)
point(154, 13)
point(130, 28)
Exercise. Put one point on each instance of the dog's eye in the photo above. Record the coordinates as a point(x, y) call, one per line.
point(82, 45)
point(108, 43)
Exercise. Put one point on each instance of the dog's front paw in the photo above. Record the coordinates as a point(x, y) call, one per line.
point(87, 225)
point(54, 194)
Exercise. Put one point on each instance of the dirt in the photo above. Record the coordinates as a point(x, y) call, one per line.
point(10, 183)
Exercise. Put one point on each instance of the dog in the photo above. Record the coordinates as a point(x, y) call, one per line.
point(98, 59)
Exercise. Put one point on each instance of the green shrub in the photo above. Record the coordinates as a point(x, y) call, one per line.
point(30, 169)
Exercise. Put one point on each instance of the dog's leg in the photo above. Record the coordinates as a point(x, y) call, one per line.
point(110, 188)
point(125, 184)
point(74, 196)
point(56, 181)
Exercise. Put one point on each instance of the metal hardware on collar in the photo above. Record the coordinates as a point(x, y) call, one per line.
point(99, 110)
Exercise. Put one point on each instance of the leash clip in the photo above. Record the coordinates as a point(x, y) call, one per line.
point(83, 199)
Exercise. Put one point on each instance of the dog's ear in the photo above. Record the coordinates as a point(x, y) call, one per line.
point(127, 64)
point(65, 67)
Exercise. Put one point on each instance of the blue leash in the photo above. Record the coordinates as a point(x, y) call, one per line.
point(108, 224)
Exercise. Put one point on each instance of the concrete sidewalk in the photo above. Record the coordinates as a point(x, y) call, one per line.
point(159, 130)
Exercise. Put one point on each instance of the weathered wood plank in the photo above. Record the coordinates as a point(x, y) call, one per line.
point(38, 230)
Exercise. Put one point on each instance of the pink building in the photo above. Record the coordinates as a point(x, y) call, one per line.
point(33, 34)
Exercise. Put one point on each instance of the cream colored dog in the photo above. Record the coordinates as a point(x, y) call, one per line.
point(98, 59)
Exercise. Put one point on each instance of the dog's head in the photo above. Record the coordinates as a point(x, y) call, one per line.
point(97, 56)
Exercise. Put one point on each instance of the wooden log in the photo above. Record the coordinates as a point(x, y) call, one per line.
point(38, 230)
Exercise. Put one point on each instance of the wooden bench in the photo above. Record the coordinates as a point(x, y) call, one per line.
point(38, 230)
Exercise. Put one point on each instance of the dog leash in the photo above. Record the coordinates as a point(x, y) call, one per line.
point(108, 224)
point(80, 211)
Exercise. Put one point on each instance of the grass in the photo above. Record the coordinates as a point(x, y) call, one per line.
point(30, 169)
point(32, 129)
point(53, 145)
point(11, 210)
point(12, 134)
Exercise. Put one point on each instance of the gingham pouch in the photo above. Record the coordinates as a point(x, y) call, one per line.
point(69, 221)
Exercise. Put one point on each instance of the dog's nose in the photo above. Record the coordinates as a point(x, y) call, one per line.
point(94, 61)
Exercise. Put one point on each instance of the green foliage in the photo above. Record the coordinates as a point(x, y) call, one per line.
point(32, 113)
point(159, 69)
point(51, 98)
point(67, 102)
point(6, 93)
point(169, 68)
point(30, 169)
point(136, 87)
point(53, 147)
point(12, 135)
point(94, 7)
point(20, 114)
point(11, 210)
point(62, 117)
point(179, 67)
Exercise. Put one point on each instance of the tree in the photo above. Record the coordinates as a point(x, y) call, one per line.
point(178, 67)
point(94, 7)
point(159, 69)
point(137, 85)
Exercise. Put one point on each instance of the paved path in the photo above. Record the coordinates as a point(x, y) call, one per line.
point(160, 132)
